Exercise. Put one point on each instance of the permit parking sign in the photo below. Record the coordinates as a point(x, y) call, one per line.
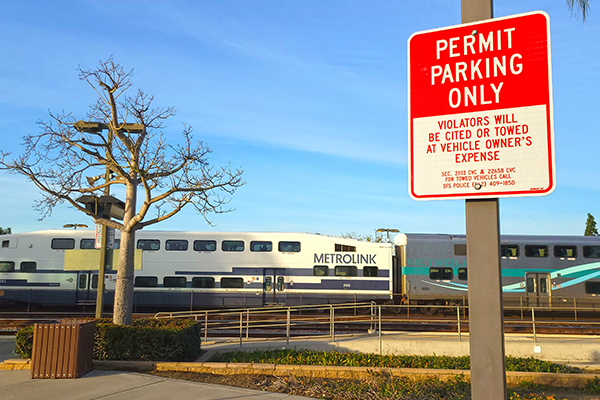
point(480, 110)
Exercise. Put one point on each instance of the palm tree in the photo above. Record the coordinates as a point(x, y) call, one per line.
point(583, 5)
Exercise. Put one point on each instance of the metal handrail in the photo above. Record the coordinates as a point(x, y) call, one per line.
point(290, 317)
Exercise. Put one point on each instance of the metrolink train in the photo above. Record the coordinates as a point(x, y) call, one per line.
point(195, 270)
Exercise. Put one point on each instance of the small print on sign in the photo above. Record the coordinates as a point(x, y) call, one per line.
point(480, 110)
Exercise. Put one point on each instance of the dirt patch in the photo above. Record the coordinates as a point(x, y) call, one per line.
point(379, 388)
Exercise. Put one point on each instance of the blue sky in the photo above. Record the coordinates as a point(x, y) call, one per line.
point(307, 96)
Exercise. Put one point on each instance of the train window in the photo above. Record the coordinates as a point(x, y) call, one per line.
point(370, 271)
point(176, 245)
point(234, 283)
point(530, 285)
point(591, 251)
point(592, 287)
point(62, 244)
point(95, 281)
point(205, 245)
point(7, 266)
point(289, 247)
point(28, 266)
point(203, 282)
point(444, 274)
point(5, 243)
point(174, 281)
point(346, 270)
point(460, 249)
point(536, 250)
point(261, 246)
point(462, 274)
point(232, 245)
point(280, 284)
point(83, 281)
point(565, 251)
point(146, 281)
point(148, 244)
point(509, 250)
point(117, 244)
point(543, 285)
point(87, 244)
point(343, 247)
point(268, 283)
point(320, 270)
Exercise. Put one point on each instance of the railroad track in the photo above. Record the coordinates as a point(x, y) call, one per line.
point(12, 322)
point(318, 324)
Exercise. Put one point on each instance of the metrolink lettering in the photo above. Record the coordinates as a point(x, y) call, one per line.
point(345, 258)
point(435, 262)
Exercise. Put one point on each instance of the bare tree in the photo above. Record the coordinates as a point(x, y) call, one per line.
point(60, 158)
point(582, 5)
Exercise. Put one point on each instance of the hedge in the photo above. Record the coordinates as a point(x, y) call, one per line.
point(313, 357)
point(145, 340)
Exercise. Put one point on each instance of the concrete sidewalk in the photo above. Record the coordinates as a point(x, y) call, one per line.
point(116, 385)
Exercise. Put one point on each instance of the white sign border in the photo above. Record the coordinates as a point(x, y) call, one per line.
point(551, 142)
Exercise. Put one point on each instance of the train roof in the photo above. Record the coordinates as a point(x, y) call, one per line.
point(159, 234)
point(402, 239)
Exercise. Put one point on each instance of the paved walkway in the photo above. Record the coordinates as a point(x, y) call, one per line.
point(18, 385)
point(116, 385)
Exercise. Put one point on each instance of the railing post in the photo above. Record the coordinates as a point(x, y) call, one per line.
point(521, 302)
point(332, 323)
point(241, 327)
point(458, 320)
point(247, 324)
point(379, 330)
point(288, 327)
point(205, 326)
point(533, 324)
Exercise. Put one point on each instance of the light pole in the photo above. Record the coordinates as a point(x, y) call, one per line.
point(75, 226)
point(387, 230)
point(95, 127)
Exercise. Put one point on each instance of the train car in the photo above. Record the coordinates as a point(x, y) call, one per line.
point(190, 270)
point(536, 270)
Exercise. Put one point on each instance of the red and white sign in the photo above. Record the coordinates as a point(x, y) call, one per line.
point(480, 110)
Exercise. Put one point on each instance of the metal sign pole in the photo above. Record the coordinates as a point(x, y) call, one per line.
point(486, 325)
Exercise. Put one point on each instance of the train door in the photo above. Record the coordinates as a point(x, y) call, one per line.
point(538, 289)
point(274, 286)
point(87, 284)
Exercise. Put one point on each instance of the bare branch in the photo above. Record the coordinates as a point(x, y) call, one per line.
point(171, 173)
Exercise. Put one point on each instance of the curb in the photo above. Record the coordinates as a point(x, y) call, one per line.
point(513, 378)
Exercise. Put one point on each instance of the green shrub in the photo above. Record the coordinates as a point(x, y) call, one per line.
point(593, 385)
point(24, 342)
point(145, 339)
point(148, 339)
point(310, 357)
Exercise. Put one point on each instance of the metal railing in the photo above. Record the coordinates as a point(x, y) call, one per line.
point(251, 324)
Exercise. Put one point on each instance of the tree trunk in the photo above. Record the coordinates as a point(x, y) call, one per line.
point(123, 305)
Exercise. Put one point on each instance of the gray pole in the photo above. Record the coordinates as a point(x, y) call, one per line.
point(486, 327)
point(103, 249)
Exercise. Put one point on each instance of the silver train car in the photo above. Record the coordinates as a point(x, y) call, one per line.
point(536, 270)
point(190, 270)
point(194, 270)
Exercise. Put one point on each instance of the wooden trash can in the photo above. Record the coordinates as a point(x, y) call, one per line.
point(62, 350)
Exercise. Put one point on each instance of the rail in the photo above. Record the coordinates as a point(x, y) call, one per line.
point(330, 320)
